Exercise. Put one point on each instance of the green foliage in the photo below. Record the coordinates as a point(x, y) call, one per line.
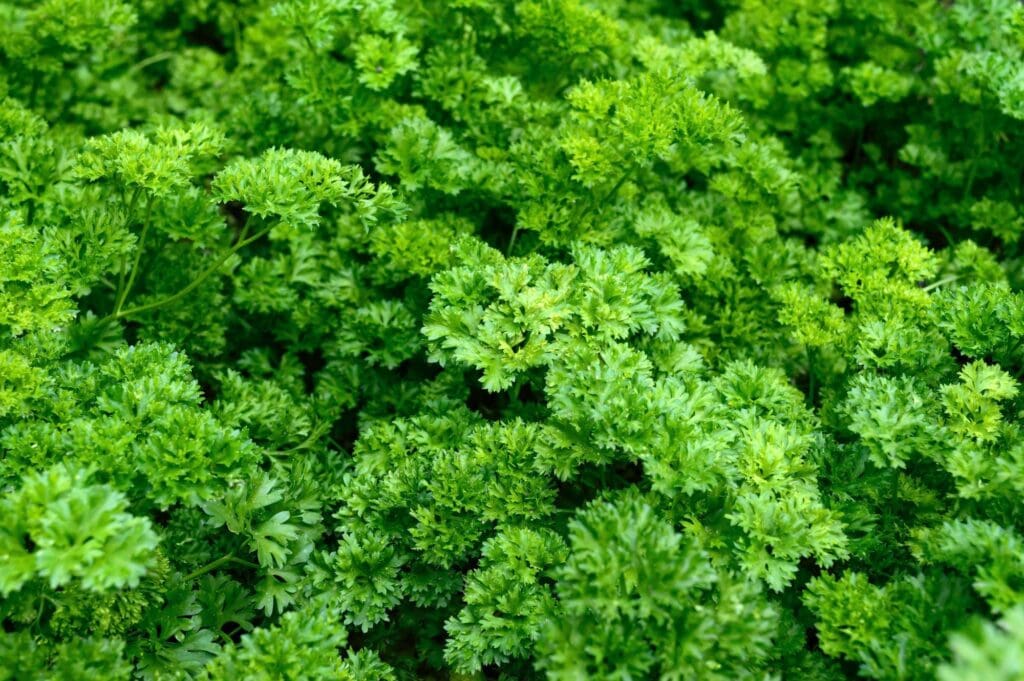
point(519, 339)
point(895, 631)
point(636, 598)
point(60, 529)
point(506, 600)
point(988, 651)
point(303, 645)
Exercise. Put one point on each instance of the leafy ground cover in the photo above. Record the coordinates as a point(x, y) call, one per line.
point(511, 339)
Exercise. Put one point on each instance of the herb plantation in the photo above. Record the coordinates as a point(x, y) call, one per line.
point(382, 340)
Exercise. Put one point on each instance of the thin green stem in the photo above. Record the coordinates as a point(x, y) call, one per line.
point(212, 565)
point(1009, 354)
point(971, 174)
point(972, 171)
point(942, 282)
point(246, 563)
point(33, 92)
point(39, 612)
point(946, 235)
point(149, 61)
point(512, 239)
point(316, 432)
point(203, 276)
point(607, 197)
point(308, 40)
point(133, 273)
point(810, 376)
point(43, 600)
point(618, 185)
point(124, 259)
point(121, 269)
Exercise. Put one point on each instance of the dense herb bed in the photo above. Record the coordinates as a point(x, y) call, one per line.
point(464, 339)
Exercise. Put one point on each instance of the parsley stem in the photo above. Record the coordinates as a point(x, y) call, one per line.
point(972, 169)
point(315, 434)
point(128, 223)
point(149, 61)
point(138, 258)
point(618, 185)
point(246, 563)
point(941, 282)
point(810, 376)
point(242, 242)
point(213, 565)
point(607, 197)
point(579, 214)
point(1013, 348)
point(512, 239)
